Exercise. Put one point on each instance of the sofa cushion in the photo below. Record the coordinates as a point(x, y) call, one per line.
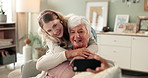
point(112, 72)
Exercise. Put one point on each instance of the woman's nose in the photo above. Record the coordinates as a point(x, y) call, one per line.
point(54, 31)
point(77, 35)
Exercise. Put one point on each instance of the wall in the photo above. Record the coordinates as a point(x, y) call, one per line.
point(65, 6)
point(78, 7)
point(117, 7)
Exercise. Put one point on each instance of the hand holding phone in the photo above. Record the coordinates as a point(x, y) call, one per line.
point(80, 65)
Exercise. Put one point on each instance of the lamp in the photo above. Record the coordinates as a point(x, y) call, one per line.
point(28, 7)
point(128, 2)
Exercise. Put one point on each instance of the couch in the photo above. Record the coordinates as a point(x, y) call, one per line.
point(29, 70)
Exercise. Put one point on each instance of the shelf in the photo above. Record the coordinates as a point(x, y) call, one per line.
point(9, 28)
point(9, 46)
point(8, 31)
point(8, 23)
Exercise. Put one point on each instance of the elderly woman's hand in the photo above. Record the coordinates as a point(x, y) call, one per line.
point(104, 65)
point(83, 52)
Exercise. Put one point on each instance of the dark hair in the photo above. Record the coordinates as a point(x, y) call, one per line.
point(46, 16)
point(49, 15)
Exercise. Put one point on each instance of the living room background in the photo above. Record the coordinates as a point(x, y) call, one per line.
point(115, 7)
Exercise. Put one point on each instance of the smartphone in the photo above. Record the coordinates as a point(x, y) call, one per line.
point(80, 65)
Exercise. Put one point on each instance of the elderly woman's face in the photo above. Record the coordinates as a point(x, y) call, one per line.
point(79, 36)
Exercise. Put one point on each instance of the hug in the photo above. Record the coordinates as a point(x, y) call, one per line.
point(68, 38)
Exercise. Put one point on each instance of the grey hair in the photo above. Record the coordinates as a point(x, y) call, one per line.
point(74, 21)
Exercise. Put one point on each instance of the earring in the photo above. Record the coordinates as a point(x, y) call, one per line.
point(61, 22)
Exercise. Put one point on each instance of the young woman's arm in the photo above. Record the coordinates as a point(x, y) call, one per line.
point(53, 57)
point(93, 47)
point(56, 55)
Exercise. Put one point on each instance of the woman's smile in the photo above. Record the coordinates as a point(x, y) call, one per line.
point(77, 41)
point(58, 33)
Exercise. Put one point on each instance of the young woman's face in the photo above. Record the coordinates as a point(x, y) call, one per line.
point(79, 36)
point(54, 28)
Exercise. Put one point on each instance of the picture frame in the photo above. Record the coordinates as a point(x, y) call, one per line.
point(143, 23)
point(130, 28)
point(97, 13)
point(146, 5)
point(119, 21)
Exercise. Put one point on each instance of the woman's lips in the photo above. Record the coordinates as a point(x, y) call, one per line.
point(58, 33)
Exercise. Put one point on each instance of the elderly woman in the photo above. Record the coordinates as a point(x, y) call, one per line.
point(79, 29)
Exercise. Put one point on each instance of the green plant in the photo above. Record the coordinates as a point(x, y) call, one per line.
point(35, 39)
point(1, 8)
point(38, 48)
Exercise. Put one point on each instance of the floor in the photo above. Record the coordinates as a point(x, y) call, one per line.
point(132, 74)
point(5, 71)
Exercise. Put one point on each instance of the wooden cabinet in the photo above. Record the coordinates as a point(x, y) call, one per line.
point(139, 54)
point(7, 43)
point(129, 51)
point(116, 48)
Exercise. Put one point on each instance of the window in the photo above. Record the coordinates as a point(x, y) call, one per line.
point(7, 7)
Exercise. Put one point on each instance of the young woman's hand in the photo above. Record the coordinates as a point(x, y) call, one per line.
point(104, 65)
point(83, 52)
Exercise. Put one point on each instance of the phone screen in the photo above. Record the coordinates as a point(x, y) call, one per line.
point(80, 65)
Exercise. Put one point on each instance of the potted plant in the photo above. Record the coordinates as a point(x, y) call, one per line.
point(3, 17)
point(39, 48)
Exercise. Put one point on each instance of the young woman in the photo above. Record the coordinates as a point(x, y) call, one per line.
point(54, 31)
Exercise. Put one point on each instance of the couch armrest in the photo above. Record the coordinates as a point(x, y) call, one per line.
point(29, 69)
